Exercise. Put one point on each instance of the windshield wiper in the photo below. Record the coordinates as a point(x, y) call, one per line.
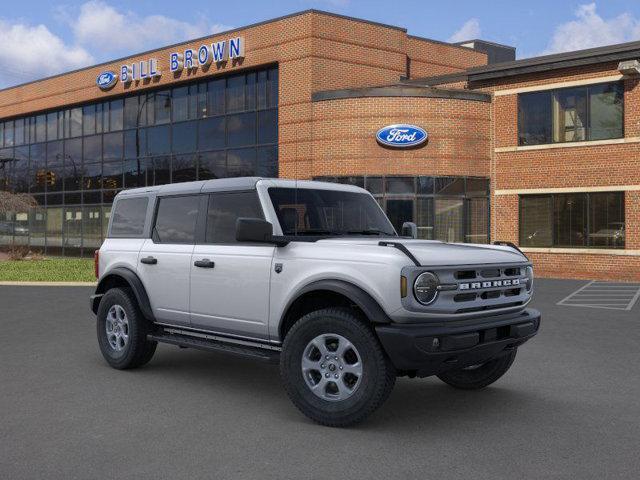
point(370, 231)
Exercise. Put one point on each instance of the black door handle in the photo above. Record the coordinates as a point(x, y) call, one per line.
point(204, 263)
point(149, 260)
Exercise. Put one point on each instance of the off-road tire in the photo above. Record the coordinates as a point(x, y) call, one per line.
point(482, 376)
point(138, 351)
point(376, 383)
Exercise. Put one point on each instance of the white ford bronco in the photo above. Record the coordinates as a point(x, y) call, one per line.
point(311, 275)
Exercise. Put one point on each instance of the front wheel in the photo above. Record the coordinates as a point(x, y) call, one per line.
point(334, 369)
point(479, 376)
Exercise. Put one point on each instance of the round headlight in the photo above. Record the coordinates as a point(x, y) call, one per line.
point(425, 288)
point(529, 274)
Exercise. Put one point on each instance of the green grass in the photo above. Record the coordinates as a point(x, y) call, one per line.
point(48, 270)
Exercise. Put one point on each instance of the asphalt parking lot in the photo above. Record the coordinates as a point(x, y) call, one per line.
point(569, 407)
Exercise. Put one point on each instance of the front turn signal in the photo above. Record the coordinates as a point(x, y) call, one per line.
point(403, 286)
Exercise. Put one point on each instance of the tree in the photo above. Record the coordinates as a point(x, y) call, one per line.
point(16, 202)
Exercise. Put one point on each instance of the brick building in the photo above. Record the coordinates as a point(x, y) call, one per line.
point(539, 152)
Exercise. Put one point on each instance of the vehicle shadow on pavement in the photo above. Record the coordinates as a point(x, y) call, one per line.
point(413, 403)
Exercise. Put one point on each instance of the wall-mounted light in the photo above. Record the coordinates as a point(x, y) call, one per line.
point(629, 67)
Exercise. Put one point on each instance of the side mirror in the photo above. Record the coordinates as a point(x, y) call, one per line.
point(409, 229)
point(253, 230)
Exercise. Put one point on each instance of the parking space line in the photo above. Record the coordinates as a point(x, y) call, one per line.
point(612, 296)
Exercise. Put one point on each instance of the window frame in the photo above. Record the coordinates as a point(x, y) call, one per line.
point(588, 196)
point(156, 207)
point(552, 93)
point(203, 217)
point(143, 234)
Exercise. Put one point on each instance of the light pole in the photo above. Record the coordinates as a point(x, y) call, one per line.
point(140, 108)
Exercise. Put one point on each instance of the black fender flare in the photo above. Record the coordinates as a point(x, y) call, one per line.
point(369, 306)
point(133, 281)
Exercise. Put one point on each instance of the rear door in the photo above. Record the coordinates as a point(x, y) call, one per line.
point(164, 262)
point(230, 280)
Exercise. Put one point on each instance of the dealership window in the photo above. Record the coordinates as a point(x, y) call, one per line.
point(451, 209)
point(577, 114)
point(75, 160)
point(573, 220)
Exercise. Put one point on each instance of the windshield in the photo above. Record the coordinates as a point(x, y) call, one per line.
point(306, 211)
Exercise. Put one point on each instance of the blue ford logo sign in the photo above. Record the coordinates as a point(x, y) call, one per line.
point(401, 136)
point(106, 80)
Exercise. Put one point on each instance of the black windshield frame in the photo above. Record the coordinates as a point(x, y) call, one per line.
point(304, 212)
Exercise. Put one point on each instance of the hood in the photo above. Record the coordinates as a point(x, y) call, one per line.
point(435, 253)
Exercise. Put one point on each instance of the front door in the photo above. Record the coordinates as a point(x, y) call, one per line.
point(164, 262)
point(230, 280)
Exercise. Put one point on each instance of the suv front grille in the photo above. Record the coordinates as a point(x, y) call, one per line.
point(479, 288)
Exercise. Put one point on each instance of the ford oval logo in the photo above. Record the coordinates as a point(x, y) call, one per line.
point(401, 136)
point(106, 80)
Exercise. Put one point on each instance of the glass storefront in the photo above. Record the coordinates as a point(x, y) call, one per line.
point(451, 209)
point(74, 161)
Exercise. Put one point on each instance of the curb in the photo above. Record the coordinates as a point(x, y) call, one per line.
point(49, 284)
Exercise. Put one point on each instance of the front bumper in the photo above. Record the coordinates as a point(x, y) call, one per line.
point(430, 350)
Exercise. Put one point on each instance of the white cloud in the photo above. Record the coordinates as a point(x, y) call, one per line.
point(98, 33)
point(104, 29)
point(28, 52)
point(589, 29)
point(469, 31)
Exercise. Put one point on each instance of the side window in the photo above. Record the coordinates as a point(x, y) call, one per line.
point(128, 217)
point(176, 219)
point(223, 211)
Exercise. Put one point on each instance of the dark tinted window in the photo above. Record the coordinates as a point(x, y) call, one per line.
point(307, 211)
point(593, 112)
point(224, 209)
point(176, 219)
point(573, 220)
point(128, 217)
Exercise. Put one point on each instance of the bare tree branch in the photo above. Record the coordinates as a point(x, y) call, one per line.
point(16, 202)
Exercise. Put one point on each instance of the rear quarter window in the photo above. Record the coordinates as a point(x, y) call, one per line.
point(128, 217)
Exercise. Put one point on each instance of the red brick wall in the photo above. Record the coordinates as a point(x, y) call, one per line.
point(342, 139)
point(429, 58)
point(566, 167)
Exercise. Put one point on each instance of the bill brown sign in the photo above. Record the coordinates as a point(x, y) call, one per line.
point(189, 59)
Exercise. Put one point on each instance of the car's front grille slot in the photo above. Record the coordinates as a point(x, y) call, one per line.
point(488, 307)
point(465, 275)
point(491, 294)
point(512, 272)
point(513, 292)
point(490, 273)
point(465, 297)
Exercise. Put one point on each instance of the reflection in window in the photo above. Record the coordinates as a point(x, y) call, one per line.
point(477, 213)
point(176, 219)
point(449, 214)
point(593, 112)
point(211, 133)
point(241, 163)
point(158, 140)
point(73, 156)
point(212, 165)
point(223, 211)
point(184, 168)
point(595, 220)
point(184, 137)
point(241, 129)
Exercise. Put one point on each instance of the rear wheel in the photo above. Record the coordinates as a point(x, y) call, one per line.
point(122, 331)
point(479, 376)
point(334, 368)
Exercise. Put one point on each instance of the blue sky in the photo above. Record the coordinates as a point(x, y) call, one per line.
point(43, 37)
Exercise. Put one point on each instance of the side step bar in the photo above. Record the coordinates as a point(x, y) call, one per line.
point(215, 343)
